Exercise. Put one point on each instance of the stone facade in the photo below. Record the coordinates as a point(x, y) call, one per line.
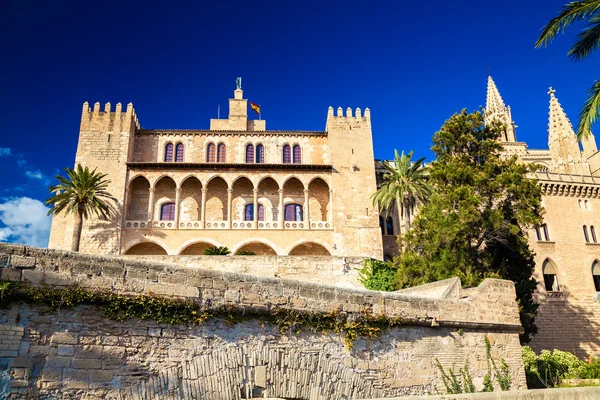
point(180, 191)
point(78, 353)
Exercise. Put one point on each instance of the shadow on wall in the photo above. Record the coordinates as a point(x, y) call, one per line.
point(565, 325)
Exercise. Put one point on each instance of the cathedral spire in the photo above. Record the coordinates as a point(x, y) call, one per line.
point(495, 109)
point(562, 140)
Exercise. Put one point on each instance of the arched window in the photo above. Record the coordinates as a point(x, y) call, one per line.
point(550, 279)
point(381, 225)
point(293, 212)
point(210, 152)
point(249, 212)
point(596, 275)
point(389, 225)
point(221, 152)
point(287, 154)
point(249, 154)
point(260, 154)
point(542, 233)
point(585, 234)
point(167, 212)
point(593, 232)
point(169, 152)
point(179, 152)
point(297, 155)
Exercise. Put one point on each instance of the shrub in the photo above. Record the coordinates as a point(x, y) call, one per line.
point(245, 253)
point(377, 275)
point(547, 369)
point(216, 251)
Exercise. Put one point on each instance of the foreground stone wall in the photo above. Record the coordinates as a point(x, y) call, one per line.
point(78, 353)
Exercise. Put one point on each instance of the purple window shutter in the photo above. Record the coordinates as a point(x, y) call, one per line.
point(248, 214)
point(221, 153)
point(179, 152)
point(287, 154)
point(261, 212)
point(210, 152)
point(289, 212)
point(260, 154)
point(169, 152)
point(298, 210)
point(249, 154)
point(297, 155)
point(167, 212)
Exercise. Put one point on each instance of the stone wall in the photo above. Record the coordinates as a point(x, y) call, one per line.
point(78, 353)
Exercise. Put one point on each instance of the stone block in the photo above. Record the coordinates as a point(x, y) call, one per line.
point(41, 351)
point(88, 351)
point(57, 361)
point(86, 363)
point(22, 261)
point(101, 375)
point(65, 350)
point(51, 374)
point(64, 338)
point(10, 274)
point(112, 363)
point(8, 353)
point(76, 378)
point(21, 362)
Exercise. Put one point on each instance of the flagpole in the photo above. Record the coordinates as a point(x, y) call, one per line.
point(219, 111)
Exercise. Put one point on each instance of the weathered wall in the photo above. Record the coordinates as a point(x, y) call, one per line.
point(77, 353)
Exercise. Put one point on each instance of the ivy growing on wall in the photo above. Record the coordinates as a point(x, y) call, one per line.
point(172, 310)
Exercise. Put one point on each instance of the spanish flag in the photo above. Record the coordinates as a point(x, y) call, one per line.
point(255, 107)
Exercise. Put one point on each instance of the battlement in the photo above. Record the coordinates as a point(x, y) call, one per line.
point(348, 119)
point(106, 120)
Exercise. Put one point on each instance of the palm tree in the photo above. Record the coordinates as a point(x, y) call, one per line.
point(83, 193)
point(587, 41)
point(404, 185)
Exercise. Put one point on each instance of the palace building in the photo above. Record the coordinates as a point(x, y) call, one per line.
point(308, 193)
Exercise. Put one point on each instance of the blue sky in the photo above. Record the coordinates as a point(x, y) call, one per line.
point(413, 64)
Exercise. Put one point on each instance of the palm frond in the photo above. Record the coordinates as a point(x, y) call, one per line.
point(589, 112)
point(572, 12)
point(588, 40)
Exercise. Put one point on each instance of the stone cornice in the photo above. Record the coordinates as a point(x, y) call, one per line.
point(227, 166)
point(207, 132)
point(554, 184)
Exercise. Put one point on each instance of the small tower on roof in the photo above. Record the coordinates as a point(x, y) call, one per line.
point(562, 141)
point(496, 110)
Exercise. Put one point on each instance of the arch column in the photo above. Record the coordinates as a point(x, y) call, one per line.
point(151, 205)
point(330, 212)
point(204, 191)
point(280, 216)
point(307, 208)
point(255, 216)
point(177, 200)
point(229, 201)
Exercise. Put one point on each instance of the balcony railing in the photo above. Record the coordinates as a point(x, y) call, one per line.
point(235, 224)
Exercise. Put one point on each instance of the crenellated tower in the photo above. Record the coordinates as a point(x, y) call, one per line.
point(106, 140)
point(495, 109)
point(356, 222)
point(562, 141)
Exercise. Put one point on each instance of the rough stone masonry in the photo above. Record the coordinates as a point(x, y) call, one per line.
point(78, 353)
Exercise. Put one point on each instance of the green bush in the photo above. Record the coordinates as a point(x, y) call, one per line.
point(378, 275)
point(216, 251)
point(245, 253)
point(547, 369)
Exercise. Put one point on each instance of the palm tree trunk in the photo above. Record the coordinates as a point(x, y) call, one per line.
point(400, 209)
point(406, 216)
point(77, 230)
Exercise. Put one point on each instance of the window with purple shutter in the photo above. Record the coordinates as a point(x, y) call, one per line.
point(249, 212)
point(221, 152)
point(179, 152)
point(261, 212)
point(249, 154)
point(297, 155)
point(260, 154)
point(169, 152)
point(167, 212)
point(210, 152)
point(287, 154)
point(293, 212)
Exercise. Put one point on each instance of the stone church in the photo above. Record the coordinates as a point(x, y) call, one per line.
point(308, 193)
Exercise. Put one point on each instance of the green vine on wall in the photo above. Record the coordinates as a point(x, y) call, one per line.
point(172, 310)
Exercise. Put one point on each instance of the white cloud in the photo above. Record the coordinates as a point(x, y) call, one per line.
point(34, 174)
point(24, 220)
point(5, 151)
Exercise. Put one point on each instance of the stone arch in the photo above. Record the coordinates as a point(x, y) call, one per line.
point(319, 200)
point(596, 274)
point(195, 249)
point(312, 247)
point(191, 242)
point(267, 243)
point(190, 206)
point(146, 248)
point(216, 199)
point(268, 196)
point(139, 197)
point(259, 249)
point(550, 275)
point(293, 193)
point(164, 192)
point(289, 178)
point(213, 177)
point(242, 194)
